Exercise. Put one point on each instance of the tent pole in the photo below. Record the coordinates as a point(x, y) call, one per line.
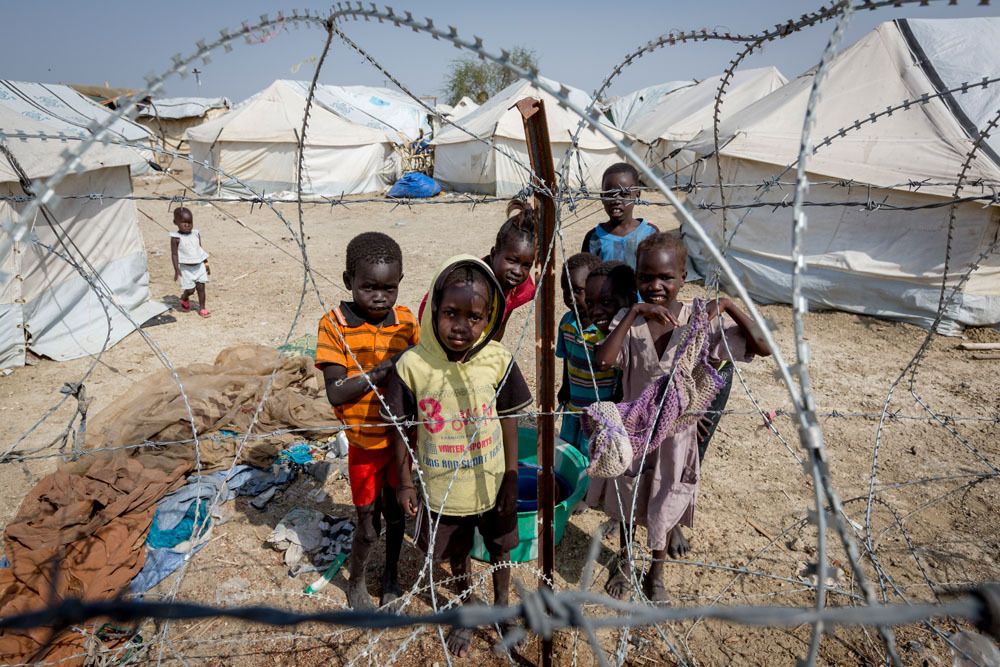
point(544, 178)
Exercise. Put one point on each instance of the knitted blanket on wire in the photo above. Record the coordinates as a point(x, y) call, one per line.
point(619, 432)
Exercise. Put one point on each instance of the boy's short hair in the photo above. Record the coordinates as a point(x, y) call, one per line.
point(620, 168)
point(182, 210)
point(580, 260)
point(622, 279)
point(522, 219)
point(671, 241)
point(373, 248)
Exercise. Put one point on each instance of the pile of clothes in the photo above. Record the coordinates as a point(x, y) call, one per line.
point(82, 531)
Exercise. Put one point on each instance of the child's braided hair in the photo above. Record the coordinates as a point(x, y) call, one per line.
point(522, 220)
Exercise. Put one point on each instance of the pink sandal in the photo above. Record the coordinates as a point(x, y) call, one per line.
point(204, 312)
point(185, 305)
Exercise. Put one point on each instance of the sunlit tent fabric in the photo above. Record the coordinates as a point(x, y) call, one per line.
point(466, 164)
point(64, 109)
point(255, 146)
point(45, 304)
point(623, 108)
point(169, 117)
point(464, 107)
point(395, 113)
point(877, 262)
point(672, 119)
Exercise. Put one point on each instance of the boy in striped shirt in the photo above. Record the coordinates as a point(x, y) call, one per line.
point(578, 334)
point(356, 347)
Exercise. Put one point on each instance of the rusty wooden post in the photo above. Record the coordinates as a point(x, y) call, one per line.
point(536, 133)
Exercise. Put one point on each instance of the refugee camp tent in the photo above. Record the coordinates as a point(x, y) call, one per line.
point(464, 107)
point(169, 117)
point(46, 306)
point(622, 109)
point(255, 146)
point(395, 113)
point(495, 163)
point(861, 257)
point(64, 109)
point(667, 122)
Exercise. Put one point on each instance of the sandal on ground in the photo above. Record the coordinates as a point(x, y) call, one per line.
point(204, 312)
point(185, 305)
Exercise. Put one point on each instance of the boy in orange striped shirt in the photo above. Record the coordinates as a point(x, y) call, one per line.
point(366, 334)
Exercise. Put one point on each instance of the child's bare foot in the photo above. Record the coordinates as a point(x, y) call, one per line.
point(357, 595)
point(677, 544)
point(653, 587)
point(458, 641)
point(621, 577)
point(508, 627)
point(391, 591)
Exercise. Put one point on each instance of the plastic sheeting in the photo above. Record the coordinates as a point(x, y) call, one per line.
point(65, 110)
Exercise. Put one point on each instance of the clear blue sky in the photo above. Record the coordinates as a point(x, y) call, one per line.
point(120, 41)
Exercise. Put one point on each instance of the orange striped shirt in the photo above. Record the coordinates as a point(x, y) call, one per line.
point(341, 330)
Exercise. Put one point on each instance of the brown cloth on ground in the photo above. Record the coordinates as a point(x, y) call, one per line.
point(224, 395)
point(79, 533)
point(82, 529)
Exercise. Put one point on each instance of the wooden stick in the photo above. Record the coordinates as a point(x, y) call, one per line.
point(985, 357)
point(979, 346)
point(760, 530)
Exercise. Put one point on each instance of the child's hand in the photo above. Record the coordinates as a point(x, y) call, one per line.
point(177, 275)
point(656, 312)
point(208, 269)
point(507, 496)
point(406, 496)
point(379, 374)
point(716, 306)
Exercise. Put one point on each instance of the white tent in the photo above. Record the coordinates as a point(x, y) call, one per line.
point(672, 119)
point(45, 304)
point(63, 109)
point(464, 107)
point(168, 118)
point(882, 263)
point(395, 113)
point(464, 164)
point(623, 108)
point(255, 145)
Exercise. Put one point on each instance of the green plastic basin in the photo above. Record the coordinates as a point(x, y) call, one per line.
point(571, 465)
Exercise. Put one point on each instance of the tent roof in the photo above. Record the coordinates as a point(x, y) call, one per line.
point(40, 158)
point(61, 105)
point(497, 118)
point(274, 115)
point(380, 108)
point(627, 106)
point(183, 107)
point(683, 113)
point(900, 60)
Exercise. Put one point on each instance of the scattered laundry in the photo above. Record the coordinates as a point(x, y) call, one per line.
point(311, 540)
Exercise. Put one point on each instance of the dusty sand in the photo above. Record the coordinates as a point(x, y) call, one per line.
point(754, 493)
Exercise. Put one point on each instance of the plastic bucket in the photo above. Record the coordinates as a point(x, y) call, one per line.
point(571, 484)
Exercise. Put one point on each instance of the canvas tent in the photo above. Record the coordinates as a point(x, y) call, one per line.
point(464, 164)
point(622, 109)
point(63, 109)
point(883, 263)
point(669, 121)
point(396, 114)
point(255, 145)
point(45, 304)
point(169, 117)
point(463, 107)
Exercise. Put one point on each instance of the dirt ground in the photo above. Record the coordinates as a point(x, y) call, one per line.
point(935, 525)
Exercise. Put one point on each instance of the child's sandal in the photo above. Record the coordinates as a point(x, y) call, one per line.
point(185, 305)
point(204, 312)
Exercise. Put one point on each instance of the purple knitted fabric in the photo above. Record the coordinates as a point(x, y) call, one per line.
point(686, 391)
